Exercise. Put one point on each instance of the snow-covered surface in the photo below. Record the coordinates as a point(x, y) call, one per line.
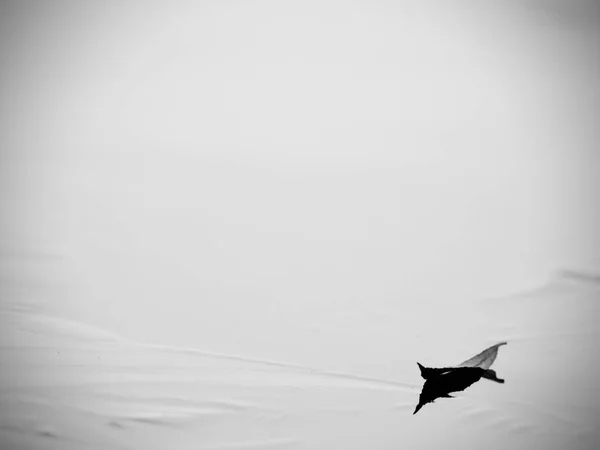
point(241, 224)
point(68, 386)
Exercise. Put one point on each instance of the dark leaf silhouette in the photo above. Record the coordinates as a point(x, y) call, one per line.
point(440, 382)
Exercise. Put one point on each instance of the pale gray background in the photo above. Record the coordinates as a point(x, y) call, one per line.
point(287, 181)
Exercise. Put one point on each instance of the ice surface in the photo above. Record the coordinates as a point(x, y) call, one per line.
point(69, 386)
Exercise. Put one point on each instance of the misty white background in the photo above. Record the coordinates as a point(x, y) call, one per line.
point(298, 182)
